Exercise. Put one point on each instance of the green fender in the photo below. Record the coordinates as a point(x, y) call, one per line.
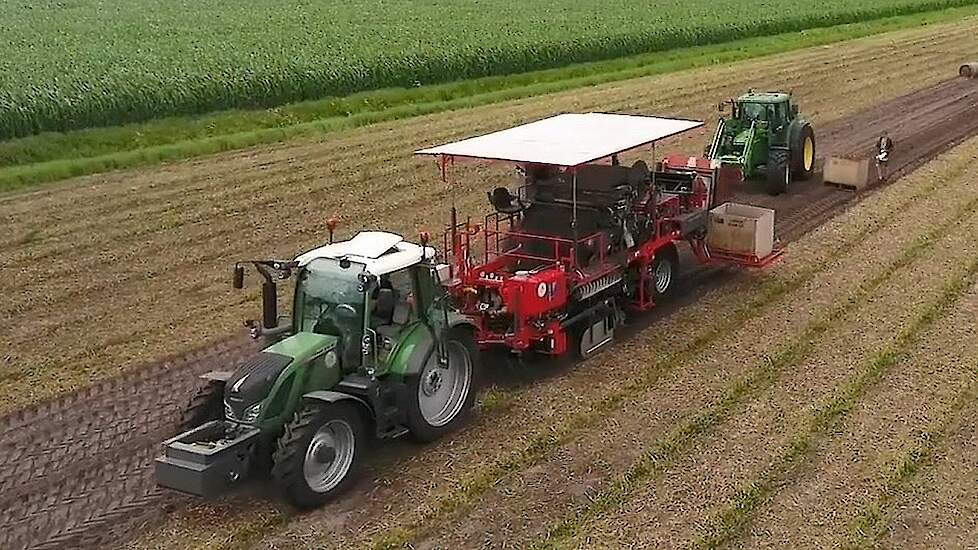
point(417, 345)
point(329, 396)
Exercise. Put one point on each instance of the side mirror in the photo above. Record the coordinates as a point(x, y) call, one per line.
point(794, 111)
point(237, 281)
point(721, 107)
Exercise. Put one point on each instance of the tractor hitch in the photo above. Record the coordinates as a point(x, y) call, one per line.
point(208, 460)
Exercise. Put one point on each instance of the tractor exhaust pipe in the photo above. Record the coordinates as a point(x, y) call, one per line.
point(969, 70)
point(269, 305)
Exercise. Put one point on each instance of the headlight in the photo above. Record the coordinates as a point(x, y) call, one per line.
point(251, 413)
point(330, 359)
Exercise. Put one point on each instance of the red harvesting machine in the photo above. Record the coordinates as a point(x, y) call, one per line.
point(583, 240)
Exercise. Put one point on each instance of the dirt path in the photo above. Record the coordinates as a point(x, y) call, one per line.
point(177, 271)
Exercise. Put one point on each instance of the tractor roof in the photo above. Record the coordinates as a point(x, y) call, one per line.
point(379, 251)
point(764, 97)
point(567, 140)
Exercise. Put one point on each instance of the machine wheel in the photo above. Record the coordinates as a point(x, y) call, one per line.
point(778, 172)
point(662, 272)
point(803, 153)
point(205, 405)
point(441, 396)
point(320, 453)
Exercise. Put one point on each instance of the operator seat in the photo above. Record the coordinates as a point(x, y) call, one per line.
point(384, 305)
point(505, 202)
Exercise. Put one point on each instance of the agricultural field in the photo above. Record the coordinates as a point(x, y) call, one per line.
point(91, 63)
point(733, 418)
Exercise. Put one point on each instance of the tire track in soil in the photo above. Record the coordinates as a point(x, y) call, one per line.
point(177, 383)
point(536, 498)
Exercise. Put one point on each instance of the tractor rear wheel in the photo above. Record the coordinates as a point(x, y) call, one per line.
point(440, 396)
point(778, 171)
point(320, 453)
point(205, 405)
point(803, 153)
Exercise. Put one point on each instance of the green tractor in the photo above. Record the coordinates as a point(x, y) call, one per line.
point(765, 134)
point(373, 349)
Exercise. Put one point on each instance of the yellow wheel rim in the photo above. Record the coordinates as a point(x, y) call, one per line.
point(809, 154)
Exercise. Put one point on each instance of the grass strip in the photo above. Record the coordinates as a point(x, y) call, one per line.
point(765, 374)
point(52, 156)
point(731, 522)
point(873, 522)
point(551, 437)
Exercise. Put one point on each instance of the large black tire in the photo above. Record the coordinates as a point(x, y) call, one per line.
point(206, 404)
point(663, 272)
point(320, 435)
point(778, 171)
point(426, 424)
point(803, 153)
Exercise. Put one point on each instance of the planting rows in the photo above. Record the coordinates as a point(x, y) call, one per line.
point(191, 219)
point(104, 272)
point(92, 64)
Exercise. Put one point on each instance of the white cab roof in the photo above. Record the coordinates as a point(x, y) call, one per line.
point(381, 252)
point(567, 140)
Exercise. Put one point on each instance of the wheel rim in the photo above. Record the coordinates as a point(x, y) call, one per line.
point(329, 456)
point(809, 154)
point(662, 274)
point(443, 390)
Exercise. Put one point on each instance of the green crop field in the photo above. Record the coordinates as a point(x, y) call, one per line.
point(84, 63)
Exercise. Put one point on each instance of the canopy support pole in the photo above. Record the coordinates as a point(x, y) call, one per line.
point(574, 217)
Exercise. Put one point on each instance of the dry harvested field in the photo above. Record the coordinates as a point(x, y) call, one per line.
point(844, 375)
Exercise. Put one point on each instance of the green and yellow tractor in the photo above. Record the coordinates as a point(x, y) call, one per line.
point(373, 350)
point(765, 134)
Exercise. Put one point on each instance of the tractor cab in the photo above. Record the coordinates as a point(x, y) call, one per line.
point(369, 292)
point(773, 110)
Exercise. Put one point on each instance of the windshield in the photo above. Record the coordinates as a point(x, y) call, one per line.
point(327, 300)
point(753, 111)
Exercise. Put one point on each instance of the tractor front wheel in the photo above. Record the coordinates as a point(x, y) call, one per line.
point(778, 172)
point(205, 405)
point(441, 395)
point(803, 153)
point(319, 453)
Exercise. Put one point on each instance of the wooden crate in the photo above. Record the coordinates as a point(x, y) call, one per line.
point(741, 229)
point(845, 173)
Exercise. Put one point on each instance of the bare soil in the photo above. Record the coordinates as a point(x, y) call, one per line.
point(104, 272)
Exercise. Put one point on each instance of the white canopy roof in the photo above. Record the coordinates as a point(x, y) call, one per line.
point(567, 140)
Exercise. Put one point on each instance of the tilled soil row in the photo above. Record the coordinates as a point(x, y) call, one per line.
point(580, 469)
point(729, 523)
point(941, 509)
point(162, 284)
point(73, 470)
point(202, 369)
point(839, 495)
